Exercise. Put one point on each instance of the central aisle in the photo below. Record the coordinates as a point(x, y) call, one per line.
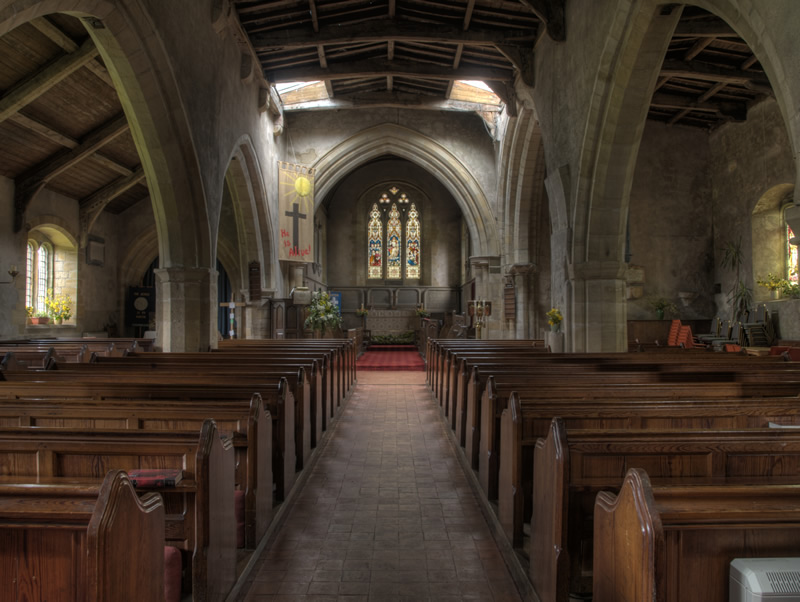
point(387, 513)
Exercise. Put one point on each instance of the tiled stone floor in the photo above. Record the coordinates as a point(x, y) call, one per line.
point(387, 513)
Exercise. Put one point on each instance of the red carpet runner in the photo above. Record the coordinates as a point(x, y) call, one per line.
point(391, 357)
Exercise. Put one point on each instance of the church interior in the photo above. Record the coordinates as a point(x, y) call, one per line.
point(283, 197)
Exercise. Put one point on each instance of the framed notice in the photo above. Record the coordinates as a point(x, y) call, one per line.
point(140, 305)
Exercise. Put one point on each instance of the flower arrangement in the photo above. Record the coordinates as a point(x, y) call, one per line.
point(773, 282)
point(362, 312)
point(29, 311)
point(59, 307)
point(422, 312)
point(554, 317)
point(662, 306)
point(322, 314)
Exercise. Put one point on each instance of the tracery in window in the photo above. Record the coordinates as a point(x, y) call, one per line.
point(375, 244)
point(394, 232)
point(412, 243)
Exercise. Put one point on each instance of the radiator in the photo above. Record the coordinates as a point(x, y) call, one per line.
point(765, 579)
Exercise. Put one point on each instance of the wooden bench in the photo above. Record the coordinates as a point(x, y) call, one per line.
point(199, 511)
point(572, 466)
point(675, 544)
point(99, 542)
point(250, 432)
point(276, 397)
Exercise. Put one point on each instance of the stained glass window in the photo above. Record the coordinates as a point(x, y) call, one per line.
point(375, 244)
point(394, 233)
point(412, 243)
point(43, 275)
point(791, 257)
point(30, 269)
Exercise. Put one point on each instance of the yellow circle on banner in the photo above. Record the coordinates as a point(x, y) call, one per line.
point(302, 186)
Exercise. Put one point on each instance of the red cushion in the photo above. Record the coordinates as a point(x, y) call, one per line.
point(238, 509)
point(172, 574)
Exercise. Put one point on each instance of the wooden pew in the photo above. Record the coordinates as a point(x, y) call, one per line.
point(250, 432)
point(675, 544)
point(276, 397)
point(199, 510)
point(572, 466)
point(98, 542)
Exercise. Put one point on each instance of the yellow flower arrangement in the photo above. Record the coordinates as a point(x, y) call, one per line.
point(59, 306)
point(554, 317)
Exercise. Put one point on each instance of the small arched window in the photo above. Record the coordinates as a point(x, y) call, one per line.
point(39, 277)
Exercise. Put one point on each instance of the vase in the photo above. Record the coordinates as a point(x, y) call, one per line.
point(39, 320)
point(660, 314)
point(775, 293)
point(555, 327)
point(59, 321)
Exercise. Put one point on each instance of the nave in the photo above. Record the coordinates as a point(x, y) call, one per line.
point(387, 512)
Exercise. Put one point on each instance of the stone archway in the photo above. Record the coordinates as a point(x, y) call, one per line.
point(131, 50)
point(390, 139)
point(627, 74)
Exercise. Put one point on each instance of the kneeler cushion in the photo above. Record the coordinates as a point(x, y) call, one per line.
point(238, 508)
point(172, 574)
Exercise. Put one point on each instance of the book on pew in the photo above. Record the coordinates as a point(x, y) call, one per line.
point(155, 477)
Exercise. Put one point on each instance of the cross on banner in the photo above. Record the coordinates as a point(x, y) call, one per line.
point(296, 212)
point(296, 217)
point(232, 305)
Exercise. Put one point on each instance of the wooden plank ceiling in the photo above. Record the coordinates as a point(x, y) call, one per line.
point(63, 128)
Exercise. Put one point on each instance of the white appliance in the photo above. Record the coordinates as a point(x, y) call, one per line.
point(765, 579)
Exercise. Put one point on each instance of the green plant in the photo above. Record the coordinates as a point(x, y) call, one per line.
point(362, 312)
point(554, 317)
point(423, 313)
point(394, 339)
point(41, 314)
point(322, 314)
point(790, 289)
point(740, 296)
point(662, 305)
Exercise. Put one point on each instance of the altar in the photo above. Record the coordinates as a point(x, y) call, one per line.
point(391, 321)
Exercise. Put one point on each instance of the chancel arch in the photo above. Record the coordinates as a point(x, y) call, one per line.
point(404, 143)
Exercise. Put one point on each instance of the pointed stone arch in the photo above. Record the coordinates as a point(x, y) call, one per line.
point(141, 71)
point(627, 75)
point(250, 203)
point(390, 139)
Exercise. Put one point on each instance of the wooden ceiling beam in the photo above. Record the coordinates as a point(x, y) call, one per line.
point(551, 12)
point(395, 100)
point(38, 83)
point(93, 205)
point(382, 68)
point(704, 29)
point(55, 35)
point(383, 30)
point(708, 72)
point(27, 185)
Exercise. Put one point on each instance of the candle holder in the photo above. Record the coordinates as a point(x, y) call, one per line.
point(12, 271)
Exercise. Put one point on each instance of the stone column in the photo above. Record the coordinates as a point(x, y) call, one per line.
point(519, 328)
point(186, 308)
point(598, 311)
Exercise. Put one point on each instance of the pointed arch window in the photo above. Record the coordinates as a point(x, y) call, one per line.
point(412, 243)
point(394, 250)
point(39, 277)
point(393, 238)
point(375, 244)
point(30, 274)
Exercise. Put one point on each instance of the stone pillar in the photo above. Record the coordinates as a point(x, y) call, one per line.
point(186, 308)
point(258, 323)
point(598, 312)
point(519, 328)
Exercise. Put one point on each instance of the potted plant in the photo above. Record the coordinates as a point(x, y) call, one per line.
point(554, 318)
point(59, 307)
point(28, 313)
point(662, 306)
point(422, 312)
point(322, 314)
point(40, 317)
